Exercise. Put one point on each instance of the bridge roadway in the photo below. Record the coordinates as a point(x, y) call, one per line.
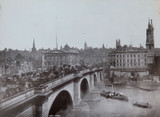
point(36, 102)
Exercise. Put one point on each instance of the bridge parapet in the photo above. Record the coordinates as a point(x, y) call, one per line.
point(54, 83)
point(7, 103)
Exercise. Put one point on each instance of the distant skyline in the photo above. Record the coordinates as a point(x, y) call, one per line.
point(75, 22)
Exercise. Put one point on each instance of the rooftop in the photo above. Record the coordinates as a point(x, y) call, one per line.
point(61, 51)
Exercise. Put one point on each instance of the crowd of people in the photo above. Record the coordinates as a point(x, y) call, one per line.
point(11, 85)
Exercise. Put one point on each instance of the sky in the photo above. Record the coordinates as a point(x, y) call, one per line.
point(75, 22)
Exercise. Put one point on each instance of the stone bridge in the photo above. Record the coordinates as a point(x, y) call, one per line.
point(54, 96)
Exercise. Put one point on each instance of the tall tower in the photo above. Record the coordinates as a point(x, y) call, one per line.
point(118, 43)
point(85, 46)
point(150, 36)
point(33, 48)
point(56, 42)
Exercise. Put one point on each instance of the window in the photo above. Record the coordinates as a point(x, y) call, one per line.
point(45, 57)
point(145, 60)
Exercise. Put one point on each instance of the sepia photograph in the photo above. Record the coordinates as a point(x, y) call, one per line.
point(79, 58)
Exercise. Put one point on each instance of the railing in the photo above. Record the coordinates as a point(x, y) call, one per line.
point(6, 103)
point(54, 83)
point(16, 98)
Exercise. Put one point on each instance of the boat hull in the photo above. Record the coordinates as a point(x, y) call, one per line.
point(142, 105)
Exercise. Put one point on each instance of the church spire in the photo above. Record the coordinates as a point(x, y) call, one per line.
point(33, 48)
point(33, 43)
point(85, 46)
point(148, 21)
point(56, 42)
point(151, 21)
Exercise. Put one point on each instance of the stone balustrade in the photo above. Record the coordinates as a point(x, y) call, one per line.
point(6, 103)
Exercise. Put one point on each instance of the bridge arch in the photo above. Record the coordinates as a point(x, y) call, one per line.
point(62, 103)
point(84, 87)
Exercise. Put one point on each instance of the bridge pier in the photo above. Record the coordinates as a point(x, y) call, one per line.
point(40, 105)
point(77, 97)
point(38, 110)
point(91, 81)
point(79, 105)
point(94, 94)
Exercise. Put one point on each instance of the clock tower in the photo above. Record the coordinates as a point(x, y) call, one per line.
point(150, 36)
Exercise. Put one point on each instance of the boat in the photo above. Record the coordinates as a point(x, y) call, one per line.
point(105, 94)
point(119, 83)
point(147, 88)
point(143, 105)
point(114, 95)
point(119, 96)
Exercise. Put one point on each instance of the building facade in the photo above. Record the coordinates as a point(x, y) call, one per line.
point(59, 57)
point(16, 68)
point(136, 59)
point(130, 60)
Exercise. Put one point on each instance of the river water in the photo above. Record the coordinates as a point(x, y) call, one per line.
point(116, 108)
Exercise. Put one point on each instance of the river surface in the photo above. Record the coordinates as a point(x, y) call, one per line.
point(116, 108)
